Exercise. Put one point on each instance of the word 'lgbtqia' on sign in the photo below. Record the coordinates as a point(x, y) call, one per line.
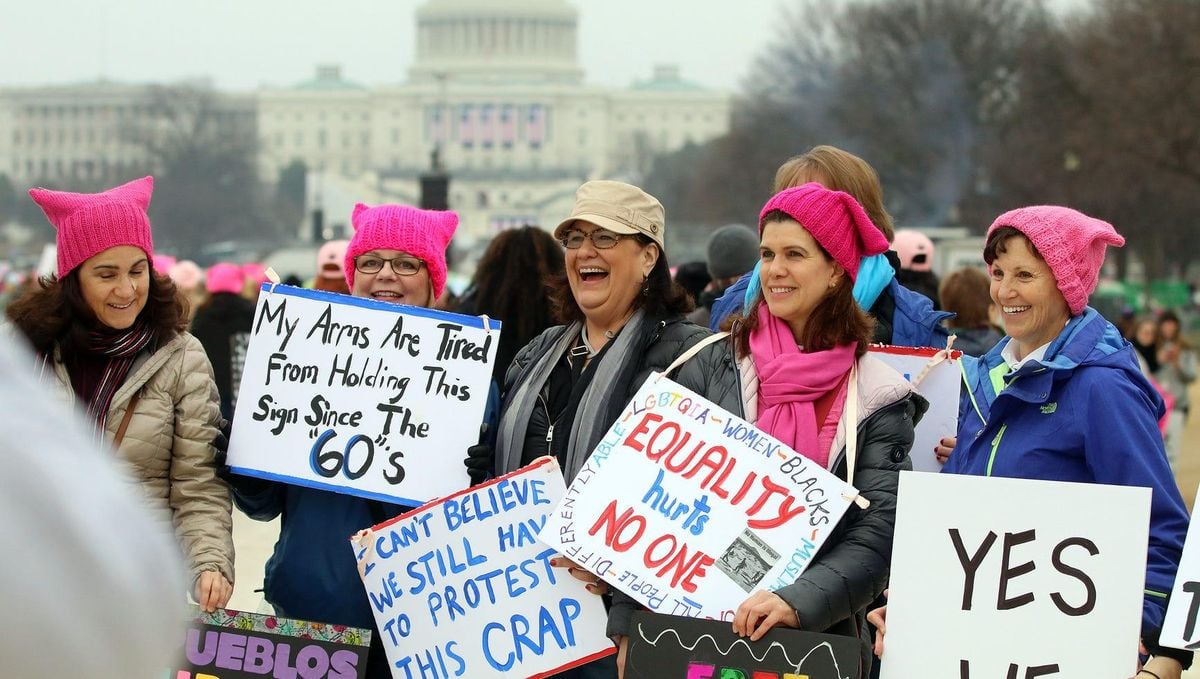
point(461, 587)
point(1180, 628)
point(688, 508)
point(228, 644)
point(940, 382)
point(982, 559)
point(360, 396)
point(673, 647)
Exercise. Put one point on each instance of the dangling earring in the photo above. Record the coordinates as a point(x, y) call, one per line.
point(645, 285)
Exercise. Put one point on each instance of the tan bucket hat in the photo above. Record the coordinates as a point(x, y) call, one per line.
point(620, 208)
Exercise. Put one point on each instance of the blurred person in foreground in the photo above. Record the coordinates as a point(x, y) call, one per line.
point(90, 579)
point(902, 317)
point(512, 285)
point(1061, 396)
point(110, 334)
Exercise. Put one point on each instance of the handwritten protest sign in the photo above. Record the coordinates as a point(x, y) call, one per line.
point(941, 385)
point(1180, 628)
point(997, 577)
point(360, 396)
point(662, 646)
point(461, 587)
point(689, 509)
point(228, 644)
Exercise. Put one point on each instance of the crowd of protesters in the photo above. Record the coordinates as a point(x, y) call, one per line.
point(144, 346)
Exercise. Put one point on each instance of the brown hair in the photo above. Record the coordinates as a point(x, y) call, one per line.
point(663, 296)
point(997, 243)
point(966, 293)
point(836, 321)
point(54, 311)
point(841, 171)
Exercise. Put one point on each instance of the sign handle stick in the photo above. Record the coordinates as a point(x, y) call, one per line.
point(937, 358)
point(273, 277)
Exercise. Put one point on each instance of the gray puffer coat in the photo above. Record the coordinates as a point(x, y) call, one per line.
point(168, 446)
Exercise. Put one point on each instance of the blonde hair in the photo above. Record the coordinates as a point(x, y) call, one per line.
point(841, 171)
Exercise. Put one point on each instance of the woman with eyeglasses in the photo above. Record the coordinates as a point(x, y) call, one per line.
point(398, 255)
point(621, 317)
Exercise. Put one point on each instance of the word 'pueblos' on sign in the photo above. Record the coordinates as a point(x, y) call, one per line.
point(229, 644)
point(1013, 581)
point(689, 509)
point(360, 396)
point(461, 587)
point(669, 646)
point(940, 383)
point(1181, 628)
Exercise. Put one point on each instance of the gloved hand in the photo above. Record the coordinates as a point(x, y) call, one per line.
point(480, 462)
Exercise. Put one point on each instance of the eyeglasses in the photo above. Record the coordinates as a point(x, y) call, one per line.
point(403, 266)
point(601, 238)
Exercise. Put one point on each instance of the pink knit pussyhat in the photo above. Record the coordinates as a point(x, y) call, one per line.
point(421, 233)
point(1071, 243)
point(834, 219)
point(163, 263)
point(90, 223)
point(224, 277)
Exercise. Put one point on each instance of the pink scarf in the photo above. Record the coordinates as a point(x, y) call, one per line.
point(790, 381)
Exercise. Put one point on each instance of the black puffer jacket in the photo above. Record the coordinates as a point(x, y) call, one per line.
point(662, 341)
point(851, 569)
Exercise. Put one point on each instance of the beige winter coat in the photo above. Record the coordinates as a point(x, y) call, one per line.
point(168, 445)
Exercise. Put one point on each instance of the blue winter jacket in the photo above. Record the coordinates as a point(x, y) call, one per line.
point(1085, 414)
point(914, 322)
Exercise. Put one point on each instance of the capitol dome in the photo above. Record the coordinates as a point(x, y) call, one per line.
point(487, 41)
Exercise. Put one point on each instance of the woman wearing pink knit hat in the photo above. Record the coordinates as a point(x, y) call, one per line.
point(1062, 397)
point(397, 255)
point(110, 330)
point(222, 324)
point(798, 367)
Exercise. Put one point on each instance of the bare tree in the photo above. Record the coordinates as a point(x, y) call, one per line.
point(201, 147)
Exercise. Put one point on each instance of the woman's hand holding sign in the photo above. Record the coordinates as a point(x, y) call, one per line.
point(212, 591)
point(762, 611)
point(595, 585)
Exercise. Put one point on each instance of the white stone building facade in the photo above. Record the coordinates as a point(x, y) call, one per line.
point(496, 88)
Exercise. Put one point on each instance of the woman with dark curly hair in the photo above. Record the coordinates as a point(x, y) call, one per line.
point(512, 284)
point(111, 332)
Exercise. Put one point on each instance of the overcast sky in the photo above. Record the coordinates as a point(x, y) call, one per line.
point(242, 44)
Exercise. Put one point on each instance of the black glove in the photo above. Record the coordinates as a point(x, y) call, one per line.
point(480, 462)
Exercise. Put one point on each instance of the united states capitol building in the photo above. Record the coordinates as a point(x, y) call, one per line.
point(496, 89)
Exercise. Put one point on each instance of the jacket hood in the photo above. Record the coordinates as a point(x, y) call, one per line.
point(1087, 340)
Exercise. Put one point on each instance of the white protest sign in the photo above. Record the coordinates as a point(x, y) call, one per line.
point(996, 577)
point(461, 587)
point(689, 509)
point(360, 396)
point(1180, 627)
point(941, 385)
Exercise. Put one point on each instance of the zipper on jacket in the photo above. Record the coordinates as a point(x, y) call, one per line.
point(550, 428)
point(995, 447)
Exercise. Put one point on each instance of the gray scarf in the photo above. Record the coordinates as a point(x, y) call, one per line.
point(589, 425)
